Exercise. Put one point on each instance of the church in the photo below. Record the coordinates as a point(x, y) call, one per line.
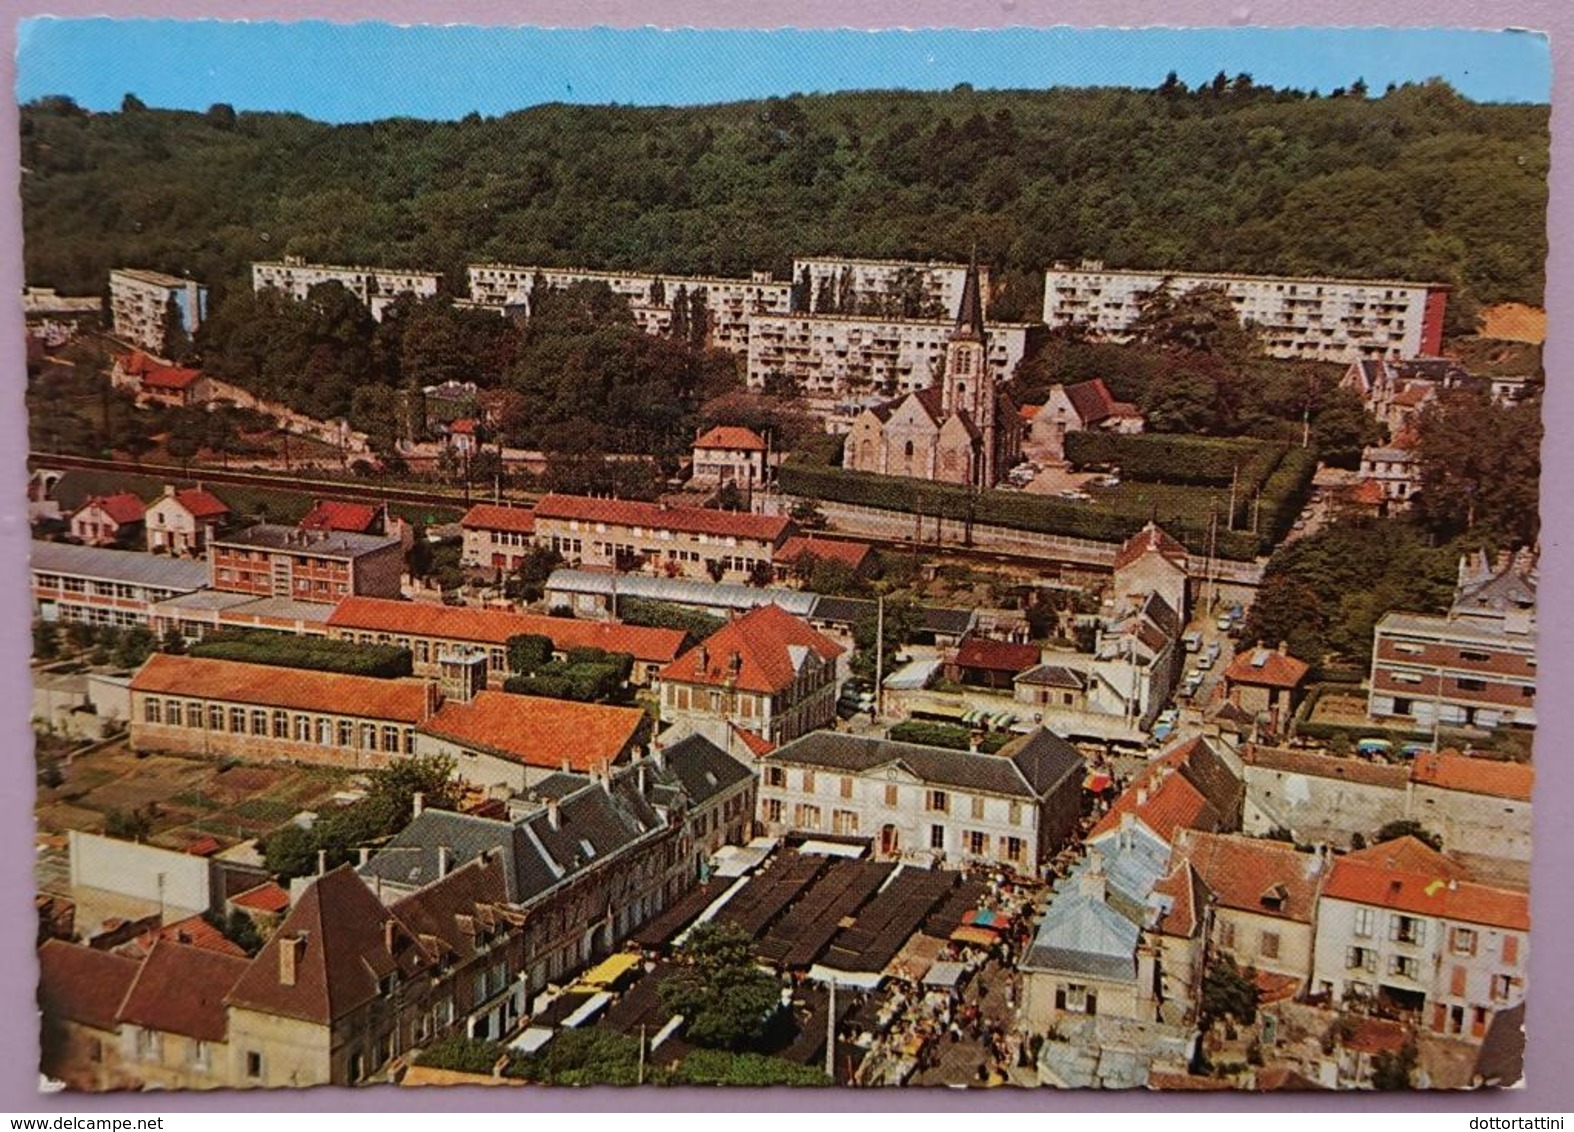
point(962, 429)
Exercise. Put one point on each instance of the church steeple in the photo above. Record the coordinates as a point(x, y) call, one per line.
point(970, 314)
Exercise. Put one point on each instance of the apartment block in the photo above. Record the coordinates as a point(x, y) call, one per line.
point(376, 287)
point(889, 286)
point(139, 300)
point(835, 355)
point(650, 295)
point(1308, 318)
point(270, 560)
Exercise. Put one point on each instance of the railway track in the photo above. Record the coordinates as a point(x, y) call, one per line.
point(277, 481)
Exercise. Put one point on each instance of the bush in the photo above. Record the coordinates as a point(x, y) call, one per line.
point(720, 1067)
point(462, 1055)
point(666, 615)
point(528, 651)
point(317, 653)
point(1168, 458)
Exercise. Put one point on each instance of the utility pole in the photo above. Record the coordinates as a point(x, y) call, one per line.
point(879, 661)
point(1213, 536)
point(830, 1036)
point(640, 1078)
point(1235, 478)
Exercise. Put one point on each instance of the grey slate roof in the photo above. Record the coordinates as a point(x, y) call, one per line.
point(129, 566)
point(558, 784)
point(704, 769)
point(410, 858)
point(992, 774)
point(1053, 676)
point(1081, 934)
point(323, 544)
point(592, 824)
point(1045, 760)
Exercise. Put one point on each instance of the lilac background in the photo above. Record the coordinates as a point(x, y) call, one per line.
point(1550, 1082)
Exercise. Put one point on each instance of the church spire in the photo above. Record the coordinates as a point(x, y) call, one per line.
point(970, 314)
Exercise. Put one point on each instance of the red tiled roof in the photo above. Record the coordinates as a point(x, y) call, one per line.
point(854, 554)
point(1325, 766)
point(757, 744)
point(1272, 987)
point(1391, 876)
point(755, 652)
point(123, 507)
point(169, 377)
point(343, 951)
point(1150, 538)
point(181, 990)
point(997, 656)
point(1452, 771)
point(80, 984)
point(204, 847)
point(492, 517)
point(465, 426)
point(733, 437)
point(266, 897)
point(1277, 669)
point(1247, 873)
point(1376, 1035)
point(1028, 412)
point(1367, 493)
point(337, 515)
point(193, 931)
point(496, 626)
point(656, 516)
point(1187, 896)
point(369, 697)
point(201, 504)
point(1173, 805)
point(540, 732)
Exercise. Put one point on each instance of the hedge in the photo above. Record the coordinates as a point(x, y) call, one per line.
point(1102, 521)
point(289, 651)
point(587, 683)
point(665, 615)
point(946, 735)
point(1170, 458)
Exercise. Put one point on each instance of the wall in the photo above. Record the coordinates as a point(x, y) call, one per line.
point(294, 1053)
point(134, 870)
point(1317, 809)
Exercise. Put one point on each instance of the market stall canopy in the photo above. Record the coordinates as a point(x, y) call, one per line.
point(945, 974)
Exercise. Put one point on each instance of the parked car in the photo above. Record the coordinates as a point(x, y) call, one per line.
point(1226, 623)
point(1193, 641)
point(1204, 662)
point(1213, 652)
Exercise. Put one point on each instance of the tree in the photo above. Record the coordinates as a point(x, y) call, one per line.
point(529, 579)
point(1227, 993)
point(133, 646)
point(221, 116)
point(176, 338)
point(131, 104)
point(290, 852)
point(239, 928)
point(1200, 320)
point(1394, 1071)
point(1480, 467)
point(173, 642)
point(528, 652)
point(1394, 830)
point(729, 498)
point(901, 618)
point(394, 787)
point(727, 1000)
point(185, 438)
point(46, 642)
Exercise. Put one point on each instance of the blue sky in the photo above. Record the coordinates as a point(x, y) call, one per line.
point(357, 72)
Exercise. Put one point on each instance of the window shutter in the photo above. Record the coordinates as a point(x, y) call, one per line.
point(1060, 999)
point(1093, 1003)
point(1456, 985)
point(1511, 949)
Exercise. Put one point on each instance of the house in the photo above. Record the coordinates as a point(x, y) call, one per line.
point(141, 303)
point(766, 672)
point(342, 515)
point(690, 542)
point(1402, 927)
point(174, 1031)
point(1014, 809)
point(339, 990)
point(1152, 562)
point(961, 428)
point(1263, 896)
point(1080, 407)
point(1193, 785)
point(271, 560)
point(1396, 469)
point(183, 523)
point(512, 742)
point(1474, 667)
point(801, 553)
point(1318, 798)
point(262, 713)
point(990, 663)
point(1267, 683)
point(720, 793)
point(497, 536)
point(99, 586)
point(156, 382)
point(109, 520)
point(80, 990)
point(432, 632)
point(729, 454)
point(1481, 808)
point(1313, 319)
point(461, 436)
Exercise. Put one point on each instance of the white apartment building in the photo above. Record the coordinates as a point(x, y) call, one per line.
point(650, 295)
point(1399, 924)
point(376, 287)
point(1309, 318)
point(879, 282)
point(836, 355)
point(139, 300)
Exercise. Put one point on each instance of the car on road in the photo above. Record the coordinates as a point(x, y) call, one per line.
point(1226, 623)
point(1212, 652)
point(1193, 641)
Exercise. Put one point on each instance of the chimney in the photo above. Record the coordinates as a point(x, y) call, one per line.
point(1142, 796)
point(291, 950)
point(657, 747)
point(169, 491)
point(322, 861)
point(1091, 883)
point(389, 929)
point(704, 659)
point(1284, 648)
point(366, 856)
point(554, 817)
point(442, 861)
point(641, 773)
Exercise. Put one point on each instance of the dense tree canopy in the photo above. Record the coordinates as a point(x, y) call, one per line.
point(1480, 466)
point(1419, 183)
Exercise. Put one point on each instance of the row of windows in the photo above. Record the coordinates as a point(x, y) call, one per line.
point(324, 731)
point(935, 801)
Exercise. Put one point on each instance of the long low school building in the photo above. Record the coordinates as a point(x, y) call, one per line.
point(99, 586)
point(432, 632)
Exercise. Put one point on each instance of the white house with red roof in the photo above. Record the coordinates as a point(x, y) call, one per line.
point(766, 672)
point(108, 520)
point(1266, 683)
point(152, 380)
point(729, 454)
point(497, 535)
point(180, 523)
point(1150, 562)
point(1075, 408)
point(1402, 926)
point(690, 542)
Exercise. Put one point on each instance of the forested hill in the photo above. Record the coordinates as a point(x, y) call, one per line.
point(1419, 183)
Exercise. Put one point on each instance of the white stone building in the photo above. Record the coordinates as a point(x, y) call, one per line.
point(139, 301)
point(376, 287)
